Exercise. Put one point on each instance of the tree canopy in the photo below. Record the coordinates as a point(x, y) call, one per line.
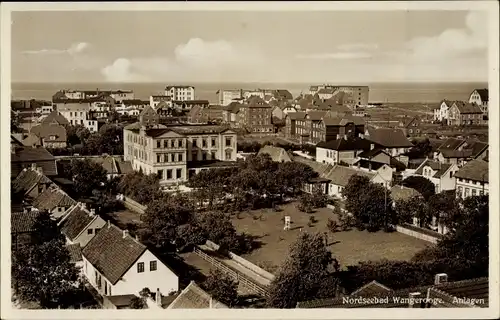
point(421, 184)
point(222, 288)
point(87, 176)
point(304, 274)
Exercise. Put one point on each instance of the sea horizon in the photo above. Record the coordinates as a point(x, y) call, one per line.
point(404, 92)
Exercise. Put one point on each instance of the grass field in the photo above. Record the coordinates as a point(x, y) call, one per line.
point(348, 247)
point(124, 217)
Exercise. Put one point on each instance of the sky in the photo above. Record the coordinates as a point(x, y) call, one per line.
point(282, 47)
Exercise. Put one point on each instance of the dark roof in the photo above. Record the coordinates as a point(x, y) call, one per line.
point(346, 144)
point(296, 115)
point(476, 170)
point(55, 117)
point(24, 156)
point(451, 144)
point(114, 165)
point(75, 222)
point(326, 91)
point(188, 129)
point(467, 108)
point(277, 154)
point(456, 153)
point(123, 300)
point(476, 147)
point(389, 138)
point(284, 94)
point(46, 131)
point(371, 153)
point(211, 164)
point(437, 166)
point(75, 252)
point(111, 253)
point(316, 115)
point(134, 102)
point(22, 222)
point(483, 93)
point(167, 300)
point(51, 198)
point(194, 297)
point(193, 102)
point(370, 289)
point(27, 179)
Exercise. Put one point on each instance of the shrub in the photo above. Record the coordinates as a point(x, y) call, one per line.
point(332, 225)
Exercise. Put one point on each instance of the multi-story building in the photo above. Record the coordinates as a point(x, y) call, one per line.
point(442, 175)
point(228, 96)
point(78, 114)
point(472, 179)
point(441, 113)
point(393, 141)
point(359, 94)
point(341, 150)
point(157, 99)
point(480, 97)
point(248, 94)
point(180, 93)
point(465, 114)
point(121, 95)
point(256, 116)
point(177, 151)
point(185, 106)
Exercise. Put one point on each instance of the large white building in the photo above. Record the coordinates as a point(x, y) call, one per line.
point(179, 151)
point(180, 93)
point(481, 98)
point(78, 114)
point(228, 96)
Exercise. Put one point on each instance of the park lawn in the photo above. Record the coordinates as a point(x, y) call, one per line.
point(125, 217)
point(348, 247)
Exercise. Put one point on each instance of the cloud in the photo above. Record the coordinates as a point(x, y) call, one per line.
point(195, 59)
point(358, 46)
point(75, 48)
point(451, 43)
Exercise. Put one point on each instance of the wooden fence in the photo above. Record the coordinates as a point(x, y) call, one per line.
point(241, 278)
point(132, 205)
point(419, 233)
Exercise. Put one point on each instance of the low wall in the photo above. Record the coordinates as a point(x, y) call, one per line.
point(247, 264)
point(419, 233)
point(133, 205)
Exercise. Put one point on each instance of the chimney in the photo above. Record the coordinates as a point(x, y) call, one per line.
point(412, 297)
point(338, 136)
point(210, 303)
point(372, 146)
point(136, 238)
point(440, 278)
point(12, 149)
point(109, 224)
point(345, 136)
point(33, 166)
point(92, 212)
point(84, 205)
point(39, 170)
point(25, 210)
point(158, 297)
point(125, 233)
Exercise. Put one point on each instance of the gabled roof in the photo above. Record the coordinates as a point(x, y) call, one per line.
point(114, 165)
point(24, 156)
point(75, 252)
point(23, 222)
point(440, 168)
point(76, 221)
point(111, 253)
point(32, 140)
point(284, 94)
point(476, 170)
point(370, 289)
point(346, 144)
point(55, 117)
point(194, 297)
point(340, 175)
point(399, 193)
point(483, 93)
point(367, 156)
point(456, 153)
point(277, 154)
point(389, 138)
point(51, 198)
point(467, 108)
point(134, 102)
point(451, 144)
point(476, 147)
point(326, 91)
point(342, 121)
point(46, 131)
point(316, 115)
point(27, 179)
point(299, 115)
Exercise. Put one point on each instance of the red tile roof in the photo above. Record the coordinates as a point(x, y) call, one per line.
point(389, 138)
point(52, 198)
point(476, 170)
point(23, 222)
point(75, 222)
point(27, 179)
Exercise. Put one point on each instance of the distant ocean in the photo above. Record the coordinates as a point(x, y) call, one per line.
point(379, 92)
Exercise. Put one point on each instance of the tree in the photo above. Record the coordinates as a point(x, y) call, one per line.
point(77, 134)
point(445, 206)
point(45, 229)
point(368, 203)
point(421, 149)
point(423, 185)
point(140, 187)
point(43, 273)
point(304, 273)
point(15, 126)
point(414, 207)
point(222, 288)
point(306, 203)
point(87, 176)
point(137, 303)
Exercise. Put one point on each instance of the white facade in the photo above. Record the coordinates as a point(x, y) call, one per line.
point(133, 281)
point(46, 110)
point(78, 114)
point(443, 112)
point(475, 97)
point(119, 96)
point(254, 93)
point(333, 157)
point(180, 93)
point(443, 183)
point(466, 188)
point(155, 100)
point(289, 109)
point(228, 96)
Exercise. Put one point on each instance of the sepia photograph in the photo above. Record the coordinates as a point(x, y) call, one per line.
point(266, 156)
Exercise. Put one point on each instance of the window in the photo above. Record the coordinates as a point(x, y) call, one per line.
point(160, 174)
point(172, 157)
point(152, 265)
point(158, 158)
point(165, 157)
point(203, 156)
point(179, 157)
point(169, 174)
point(178, 173)
point(140, 267)
point(228, 141)
point(213, 155)
point(181, 143)
point(451, 174)
point(213, 142)
point(194, 156)
point(90, 231)
point(467, 192)
point(158, 143)
point(204, 143)
point(228, 154)
point(194, 143)
point(481, 192)
point(474, 192)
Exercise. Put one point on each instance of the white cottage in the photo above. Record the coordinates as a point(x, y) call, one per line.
point(442, 175)
point(117, 264)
